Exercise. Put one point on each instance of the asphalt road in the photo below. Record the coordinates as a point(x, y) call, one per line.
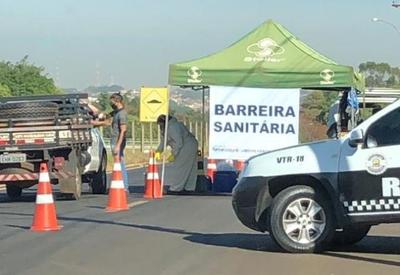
point(174, 235)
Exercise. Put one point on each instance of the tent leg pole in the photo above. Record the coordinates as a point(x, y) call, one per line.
point(203, 117)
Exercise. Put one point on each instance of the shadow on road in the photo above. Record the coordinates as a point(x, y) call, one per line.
point(362, 258)
point(371, 245)
point(385, 245)
point(247, 241)
point(259, 242)
point(30, 196)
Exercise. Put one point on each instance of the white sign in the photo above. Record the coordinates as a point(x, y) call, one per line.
point(248, 121)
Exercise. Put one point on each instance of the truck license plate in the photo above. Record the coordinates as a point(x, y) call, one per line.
point(12, 158)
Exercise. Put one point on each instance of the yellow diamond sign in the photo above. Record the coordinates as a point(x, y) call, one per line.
point(153, 102)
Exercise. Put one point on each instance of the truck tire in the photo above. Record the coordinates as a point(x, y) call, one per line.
point(13, 191)
point(98, 181)
point(302, 220)
point(28, 110)
point(351, 234)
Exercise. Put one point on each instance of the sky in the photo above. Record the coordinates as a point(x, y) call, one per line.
point(132, 42)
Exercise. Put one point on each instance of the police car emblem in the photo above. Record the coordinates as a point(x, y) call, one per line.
point(376, 164)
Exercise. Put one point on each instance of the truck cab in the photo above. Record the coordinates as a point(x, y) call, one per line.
point(312, 195)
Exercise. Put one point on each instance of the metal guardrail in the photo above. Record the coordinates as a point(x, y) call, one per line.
point(129, 143)
point(147, 135)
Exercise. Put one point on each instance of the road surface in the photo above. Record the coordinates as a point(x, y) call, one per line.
point(174, 235)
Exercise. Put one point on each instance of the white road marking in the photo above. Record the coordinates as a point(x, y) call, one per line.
point(136, 203)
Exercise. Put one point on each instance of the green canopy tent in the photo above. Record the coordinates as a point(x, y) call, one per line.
point(268, 57)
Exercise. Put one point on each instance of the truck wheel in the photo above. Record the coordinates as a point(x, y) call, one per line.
point(351, 234)
point(13, 191)
point(301, 220)
point(99, 179)
point(28, 109)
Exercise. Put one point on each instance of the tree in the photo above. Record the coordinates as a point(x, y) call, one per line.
point(4, 90)
point(316, 105)
point(380, 74)
point(23, 78)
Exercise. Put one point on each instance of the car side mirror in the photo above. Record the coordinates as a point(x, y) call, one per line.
point(356, 137)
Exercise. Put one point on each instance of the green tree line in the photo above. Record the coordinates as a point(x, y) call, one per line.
point(316, 105)
point(23, 78)
point(380, 74)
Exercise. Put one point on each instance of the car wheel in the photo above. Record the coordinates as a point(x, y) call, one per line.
point(13, 191)
point(99, 179)
point(351, 234)
point(301, 220)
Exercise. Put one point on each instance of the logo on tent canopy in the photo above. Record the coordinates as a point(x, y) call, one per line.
point(264, 50)
point(194, 74)
point(327, 76)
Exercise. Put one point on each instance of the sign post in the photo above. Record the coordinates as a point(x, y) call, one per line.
point(153, 103)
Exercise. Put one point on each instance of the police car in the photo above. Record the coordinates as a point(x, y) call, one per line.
point(311, 195)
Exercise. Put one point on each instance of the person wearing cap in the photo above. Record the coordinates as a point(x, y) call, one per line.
point(183, 155)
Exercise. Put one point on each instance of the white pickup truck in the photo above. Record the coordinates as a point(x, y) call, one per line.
point(311, 195)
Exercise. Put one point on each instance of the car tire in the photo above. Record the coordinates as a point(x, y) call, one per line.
point(302, 220)
point(13, 191)
point(350, 234)
point(98, 181)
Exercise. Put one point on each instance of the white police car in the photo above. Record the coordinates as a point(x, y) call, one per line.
point(309, 195)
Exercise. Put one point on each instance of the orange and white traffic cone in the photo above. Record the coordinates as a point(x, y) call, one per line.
point(158, 192)
point(211, 168)
point(148, 181)
point(117, 197)
point(152, 184)
point(239, 165)
point(45, 217)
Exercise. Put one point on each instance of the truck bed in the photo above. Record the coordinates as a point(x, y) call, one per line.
point(25, 129)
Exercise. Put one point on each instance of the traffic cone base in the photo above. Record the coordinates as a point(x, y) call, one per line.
point(45, 217)
point(43, 224)
point(117, 197)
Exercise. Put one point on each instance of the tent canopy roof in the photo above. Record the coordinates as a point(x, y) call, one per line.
point(268, 57)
